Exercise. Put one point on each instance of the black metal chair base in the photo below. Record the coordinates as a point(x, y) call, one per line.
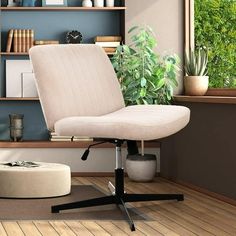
point(119, 200)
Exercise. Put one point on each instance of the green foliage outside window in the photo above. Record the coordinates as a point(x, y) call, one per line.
point(215, 28)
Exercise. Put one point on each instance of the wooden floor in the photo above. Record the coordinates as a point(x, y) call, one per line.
point(197, 215)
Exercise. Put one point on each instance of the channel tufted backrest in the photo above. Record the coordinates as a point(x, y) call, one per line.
point(75, 80)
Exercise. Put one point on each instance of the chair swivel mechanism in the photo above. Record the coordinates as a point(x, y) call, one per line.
point(80, 96)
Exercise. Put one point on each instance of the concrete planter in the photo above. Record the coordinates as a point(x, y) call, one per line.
point(196, 85)
point(141, 168)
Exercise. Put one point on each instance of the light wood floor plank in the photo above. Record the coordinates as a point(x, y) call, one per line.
point(111, 228)
point(161, 228)
point(29, 228)
point(125, 227)
point(94, 228)
point(61, 228)
point(215, 223)
point(78, 228)
point(12, 229)
point(2, 231)
point(146, 229)
point(45, 228)
point(199, 197)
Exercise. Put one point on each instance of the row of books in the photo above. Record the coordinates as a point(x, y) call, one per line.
point(109, 43)
point(20, 40)
point(59, 138)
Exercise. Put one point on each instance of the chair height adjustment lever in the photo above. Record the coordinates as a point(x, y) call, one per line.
point(86, 153)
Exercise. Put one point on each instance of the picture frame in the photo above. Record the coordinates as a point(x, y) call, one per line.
point(54, 3)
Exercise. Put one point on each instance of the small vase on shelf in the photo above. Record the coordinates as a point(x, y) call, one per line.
point(110, 3)
point(87, 3)
point(98, 3)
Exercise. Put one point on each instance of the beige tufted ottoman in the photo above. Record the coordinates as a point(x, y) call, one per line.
point(47, 180)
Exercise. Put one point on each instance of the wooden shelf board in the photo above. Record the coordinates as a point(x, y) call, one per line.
point(49, 144)
point(62, 8)
point(19, 99)
point(205, 99)
point(14, 53)
point(27, 54)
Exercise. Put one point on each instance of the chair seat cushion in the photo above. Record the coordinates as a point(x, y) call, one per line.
point(140, 122)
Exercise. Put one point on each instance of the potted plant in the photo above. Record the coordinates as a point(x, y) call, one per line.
point(196, 82)
point(145, 78)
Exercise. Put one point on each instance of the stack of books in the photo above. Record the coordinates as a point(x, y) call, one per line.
point(59, 138)
point(20, 40)
point(45, 42)
point(109, 43)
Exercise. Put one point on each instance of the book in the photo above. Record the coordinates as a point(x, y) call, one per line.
point(60, 140)
point(108, 44)
point(23, 40)
point(31, 41)
point(108, 39)
point(110, 50)
point(9, 40)
point(45, 42)
point(82, 139)
point(15, 40)
point(27, 40)
point(19, 40)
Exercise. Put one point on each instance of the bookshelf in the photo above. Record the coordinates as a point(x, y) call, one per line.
point(62, 8)
point(89, 21)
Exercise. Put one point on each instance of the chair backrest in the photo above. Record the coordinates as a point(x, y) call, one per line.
point(75, 80)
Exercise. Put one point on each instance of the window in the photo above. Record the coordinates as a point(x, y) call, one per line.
point(213, 23)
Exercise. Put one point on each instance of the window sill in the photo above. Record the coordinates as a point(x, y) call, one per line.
point(205, 99)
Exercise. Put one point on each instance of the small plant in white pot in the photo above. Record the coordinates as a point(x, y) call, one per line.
point(145, 78)
point(141, 167)
point(196, 82)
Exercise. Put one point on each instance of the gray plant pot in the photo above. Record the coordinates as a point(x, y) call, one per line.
point(141, 168)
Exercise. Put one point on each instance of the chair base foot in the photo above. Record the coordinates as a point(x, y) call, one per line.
point(118, 200)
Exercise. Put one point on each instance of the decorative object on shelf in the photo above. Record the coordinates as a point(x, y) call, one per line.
point(20, 40)
point(28, 86)
point(73, 37)
point(28, 3)
point(110, 3)
point(16, 127)
point(54, 3)
point(28, 164)
point(9, 40)
point(12, 3)
point(45, 42)
point(98, 3)
point(141, 167)
point(196, 82)
point(87, 3)
point(20, 79)
point(108, 43)
point(145, 77)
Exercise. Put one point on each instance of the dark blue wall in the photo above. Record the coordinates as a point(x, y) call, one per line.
point(34, 124)
point(48, 25)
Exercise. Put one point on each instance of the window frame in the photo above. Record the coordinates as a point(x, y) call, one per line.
point(189, 41)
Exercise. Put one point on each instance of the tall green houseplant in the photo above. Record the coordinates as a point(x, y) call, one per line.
point(145, 77)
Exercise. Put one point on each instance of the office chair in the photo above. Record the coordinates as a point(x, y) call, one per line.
point(80, 95)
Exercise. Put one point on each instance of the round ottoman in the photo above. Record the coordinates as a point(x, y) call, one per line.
point(47, 180)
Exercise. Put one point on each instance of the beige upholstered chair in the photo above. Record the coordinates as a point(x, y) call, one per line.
point(80, 95)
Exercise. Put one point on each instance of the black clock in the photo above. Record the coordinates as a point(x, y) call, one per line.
point(74, 36)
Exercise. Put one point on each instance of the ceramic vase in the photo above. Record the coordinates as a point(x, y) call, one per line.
point(98, 3)
point(87, 3)
point(196, 85)
point(141, 168)
point(110, 3)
